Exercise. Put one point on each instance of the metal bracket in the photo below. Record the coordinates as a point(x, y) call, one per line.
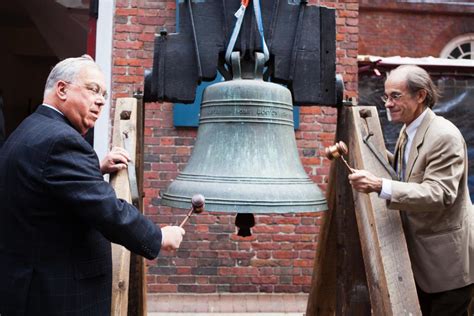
point(365, 114)
point(132, 176)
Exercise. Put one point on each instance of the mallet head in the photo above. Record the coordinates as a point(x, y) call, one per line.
point(337, 150)
point(198, 203)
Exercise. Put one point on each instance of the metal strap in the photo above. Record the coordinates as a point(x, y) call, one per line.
point(132, 176)
point(235, 32)
point(238, 24)
point(195, 40)
point(380, 158)
point(258, 16)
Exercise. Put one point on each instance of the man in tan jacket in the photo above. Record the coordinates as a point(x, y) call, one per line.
point(432, 194)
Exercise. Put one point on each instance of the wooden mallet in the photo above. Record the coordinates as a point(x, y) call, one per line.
point(197, 206)
point(337, 151)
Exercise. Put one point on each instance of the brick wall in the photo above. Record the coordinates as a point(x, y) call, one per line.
point(278, 258)
point(410, 30)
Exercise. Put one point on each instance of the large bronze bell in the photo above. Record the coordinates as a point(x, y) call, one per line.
point(245, 158)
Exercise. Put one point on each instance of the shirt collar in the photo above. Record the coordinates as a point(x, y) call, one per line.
point(53, 108)
point(411, 129)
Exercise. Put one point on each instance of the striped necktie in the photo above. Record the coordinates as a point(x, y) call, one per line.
point(401, 156)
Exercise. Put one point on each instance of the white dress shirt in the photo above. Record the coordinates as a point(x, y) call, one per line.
point(386, 192)
point(53, 108)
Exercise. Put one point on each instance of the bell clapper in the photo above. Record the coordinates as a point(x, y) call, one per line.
point(337, 151)
point(244, 223)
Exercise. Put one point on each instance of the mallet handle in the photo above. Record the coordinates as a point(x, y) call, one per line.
point(347, 165)
point(187, 217)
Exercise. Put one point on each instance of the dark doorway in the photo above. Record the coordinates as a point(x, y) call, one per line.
point(35, 36)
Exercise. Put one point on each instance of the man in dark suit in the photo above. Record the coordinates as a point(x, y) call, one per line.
point(57, 214)
point(432, 195)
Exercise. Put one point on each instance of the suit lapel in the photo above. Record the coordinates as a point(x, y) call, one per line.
point(418, 142)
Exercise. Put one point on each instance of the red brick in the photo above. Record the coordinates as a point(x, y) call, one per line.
point(162, 288)
point(301, 280)
point(287, 288)
point(126, 61)
point(237, 271)
point(126, 11)
point(129, 28)
point(303, 263)
point(284, 254)
point(307, 230)
point(243, 288)
point(128, 44)
point(127, 79)
point(287, 220)
point(151, 20)
point(265, 280)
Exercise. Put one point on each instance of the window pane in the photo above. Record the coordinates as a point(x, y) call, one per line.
point(456, 53)
point(466, 48)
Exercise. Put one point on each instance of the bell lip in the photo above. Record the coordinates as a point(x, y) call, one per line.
point(260, 207)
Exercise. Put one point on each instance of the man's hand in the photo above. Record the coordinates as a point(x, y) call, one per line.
point(117, 159)
point(364, 181)
point(171, 237)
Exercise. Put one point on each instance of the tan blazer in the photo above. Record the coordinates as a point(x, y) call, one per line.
point(437, 211)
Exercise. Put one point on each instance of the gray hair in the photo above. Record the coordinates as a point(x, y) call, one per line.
point(67, 70)
point(418, 79)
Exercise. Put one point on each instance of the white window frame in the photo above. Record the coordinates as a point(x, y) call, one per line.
point(104, 37)
point(457, 42)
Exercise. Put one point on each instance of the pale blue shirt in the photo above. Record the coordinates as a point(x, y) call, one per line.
point(386, 192)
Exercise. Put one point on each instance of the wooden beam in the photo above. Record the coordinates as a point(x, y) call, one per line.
point(121, 184)
point(137, 302)
point(362, 265)
point(322, 296)
point(387, 264)
point(339, 282)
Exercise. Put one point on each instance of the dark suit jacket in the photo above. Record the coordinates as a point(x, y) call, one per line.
point(57, 218)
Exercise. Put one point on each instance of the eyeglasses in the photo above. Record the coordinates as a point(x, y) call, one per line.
point(394, 97)
point(93, 88)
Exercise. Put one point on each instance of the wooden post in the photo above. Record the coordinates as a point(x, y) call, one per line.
point(377, 266)
point(137, 289)
point(124, 121)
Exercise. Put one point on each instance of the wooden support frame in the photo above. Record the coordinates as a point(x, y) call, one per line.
point(137, 300)
point(373, 274)
point(120, 182)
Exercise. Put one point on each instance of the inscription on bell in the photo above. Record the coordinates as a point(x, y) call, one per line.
point(267, 112)
point(211, 111)
point(243, 111)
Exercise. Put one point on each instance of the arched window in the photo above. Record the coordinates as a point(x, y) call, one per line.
point(461, 47)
